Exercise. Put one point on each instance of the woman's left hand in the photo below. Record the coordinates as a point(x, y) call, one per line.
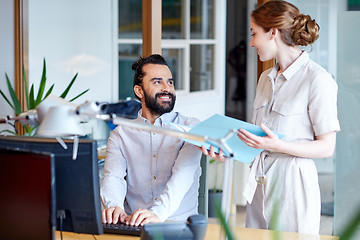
point(269, 142)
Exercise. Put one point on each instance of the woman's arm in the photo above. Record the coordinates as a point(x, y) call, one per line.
point(322, 147)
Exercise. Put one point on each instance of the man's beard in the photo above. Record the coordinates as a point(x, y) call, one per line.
point(155, 107)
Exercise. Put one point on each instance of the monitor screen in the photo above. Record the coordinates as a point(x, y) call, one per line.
point(77, 181)
point(26, 206)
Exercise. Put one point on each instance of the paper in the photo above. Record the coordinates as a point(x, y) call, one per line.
point(218, 126)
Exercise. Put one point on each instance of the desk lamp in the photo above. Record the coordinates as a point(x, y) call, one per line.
point(56, 118)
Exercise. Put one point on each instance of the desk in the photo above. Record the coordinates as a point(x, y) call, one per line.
point(211, 234)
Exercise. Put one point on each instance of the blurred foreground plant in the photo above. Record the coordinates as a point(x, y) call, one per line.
point(351, 228)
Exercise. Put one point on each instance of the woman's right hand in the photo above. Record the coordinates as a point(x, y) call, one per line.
point(217, 156)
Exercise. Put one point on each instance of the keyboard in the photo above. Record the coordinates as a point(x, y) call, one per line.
point(122, 229)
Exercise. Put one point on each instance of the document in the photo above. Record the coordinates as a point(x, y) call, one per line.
point(218, 126)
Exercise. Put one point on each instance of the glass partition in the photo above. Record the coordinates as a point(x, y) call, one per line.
point(174, 59)
point(347, 164)
point(128, 54)
point(201, 64)
point(201, 19)
point(130, 19)
point(173, 20)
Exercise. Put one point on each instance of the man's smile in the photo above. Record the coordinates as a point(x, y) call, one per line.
point(164, 97)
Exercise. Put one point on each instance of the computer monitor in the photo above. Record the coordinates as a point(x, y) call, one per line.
point(77, 181)
point(26, 207)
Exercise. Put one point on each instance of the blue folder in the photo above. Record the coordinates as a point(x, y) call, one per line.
point(218, 126)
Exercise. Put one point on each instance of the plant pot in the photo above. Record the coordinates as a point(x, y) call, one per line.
point(214, 197)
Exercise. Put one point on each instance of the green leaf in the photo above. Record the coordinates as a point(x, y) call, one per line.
point(13, 96)
point(80, 94)
point(26, 128)
point(351, 227)
point(224, 224)
point(63, 95)
point(8, 131)
point(274, 221)
point(42, 86)
point(6, 99)
point(30, 130)
point(26, 89)
point(49, 91)
point(31, 97)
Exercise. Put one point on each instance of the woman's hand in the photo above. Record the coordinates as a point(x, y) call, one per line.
point(217, 156)
point(322, 147)
point(269, 142)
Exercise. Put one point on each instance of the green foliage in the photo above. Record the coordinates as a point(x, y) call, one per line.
point(274, 221)
point(33, 101)
point(224, 224)
point(351, 227)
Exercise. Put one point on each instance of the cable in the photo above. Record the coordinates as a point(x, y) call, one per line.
point(60, 214)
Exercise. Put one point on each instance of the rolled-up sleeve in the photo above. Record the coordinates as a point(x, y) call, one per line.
point(323, 105)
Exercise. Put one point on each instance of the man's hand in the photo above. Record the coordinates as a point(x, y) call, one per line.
point(217, 156)
point(113, 215)
point(141, 217)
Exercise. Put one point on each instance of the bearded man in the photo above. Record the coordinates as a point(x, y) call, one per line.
point(150, 177)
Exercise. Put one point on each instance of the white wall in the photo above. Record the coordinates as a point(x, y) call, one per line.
point(74, 37)
point(6, 55)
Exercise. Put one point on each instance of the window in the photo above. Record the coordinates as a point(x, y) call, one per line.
point(188, 43)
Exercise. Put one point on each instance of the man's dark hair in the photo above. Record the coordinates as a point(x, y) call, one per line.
point(139, 64)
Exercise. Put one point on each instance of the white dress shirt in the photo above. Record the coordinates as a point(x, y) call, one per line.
point(300, 103)
point(162, 172)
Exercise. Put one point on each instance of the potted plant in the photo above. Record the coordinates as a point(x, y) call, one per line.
point(215, 194)
point(32, 101)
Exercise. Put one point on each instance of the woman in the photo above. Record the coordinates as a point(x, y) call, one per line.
point(297, 98)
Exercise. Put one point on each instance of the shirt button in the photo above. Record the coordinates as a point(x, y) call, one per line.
point(154, 155)
point(156, 199)
point(154, 177)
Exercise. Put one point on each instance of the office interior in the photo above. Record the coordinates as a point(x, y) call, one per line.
point(207, 45)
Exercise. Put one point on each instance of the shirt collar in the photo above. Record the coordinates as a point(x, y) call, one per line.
point(293, 68)
point(166, 117)
point(296, 65)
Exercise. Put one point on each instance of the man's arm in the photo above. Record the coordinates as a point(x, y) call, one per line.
point(113, 186)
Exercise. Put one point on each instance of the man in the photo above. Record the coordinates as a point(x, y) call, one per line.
point(150, 177)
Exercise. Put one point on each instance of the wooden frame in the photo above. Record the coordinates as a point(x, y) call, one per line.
point(21, 51)
point(151, 21)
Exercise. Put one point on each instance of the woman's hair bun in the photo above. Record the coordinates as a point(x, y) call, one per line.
point(305, 30)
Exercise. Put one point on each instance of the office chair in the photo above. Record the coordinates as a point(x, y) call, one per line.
point(203, 187)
